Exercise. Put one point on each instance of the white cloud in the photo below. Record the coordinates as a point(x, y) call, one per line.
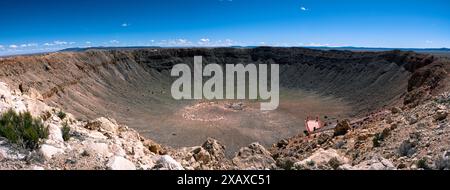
point(29, 45)
point(175, 42)
point(88, 42)
point(428, 41)
point(204, 41)
point(13, 46)
point(125, 25)
point(182, 41)
point(71, 43)
point(60, 42)
point(114, 42)
point(303, 8)
point(317, 44)
point(2, 47)
point(201, 42)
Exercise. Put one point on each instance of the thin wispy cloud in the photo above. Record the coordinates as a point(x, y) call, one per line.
point(60, 42)
point(125, 25)
point(317, 44)
point(177, 42)
point(28, 45)
point(13, 46)
point(114, 42)
point(303, 8)
point(2, 47)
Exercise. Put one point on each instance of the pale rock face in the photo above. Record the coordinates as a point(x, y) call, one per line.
point(48, 151)
point(54, 133)
point(377, 163)
point(5, 97)
point(96, 135)
point(3, 153)
point(34, 94)
point(104, 125)
point(117, 150)
point(321, 157)
point(36, 107)
point(168, 163)
point(120, 163)
point(98, 149)
point(36, 168)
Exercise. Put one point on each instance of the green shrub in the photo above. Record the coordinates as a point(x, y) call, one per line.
point(377, 140)
point(422, 163)
point(22, 129)
point(65, 131)
point(61, 115)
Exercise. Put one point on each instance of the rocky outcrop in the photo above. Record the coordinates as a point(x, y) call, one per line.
point(98, 144)
point(254, 157)
point(209, 156)
point(409, 138)
point(120, 163)
point(322, 159)
point(378, 163)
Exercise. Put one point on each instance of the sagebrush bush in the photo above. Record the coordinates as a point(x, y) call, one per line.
point(61, 115)
point(423, 163)
point(22, 129)
point(65, 131)
point(377, 139)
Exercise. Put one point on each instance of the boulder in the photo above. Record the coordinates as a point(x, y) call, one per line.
point(120, 163)
point(48, 151)
point(97, 149)
point(55, 133)
point(104, 125)
point(167, 163)
point(214, 148)
point(255, 156)
point(440, 115)
point(396, 110)
point(201, 155)
point(153, 147)
point(342, 127)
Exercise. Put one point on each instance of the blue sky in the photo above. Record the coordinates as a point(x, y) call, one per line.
point(47, 25)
